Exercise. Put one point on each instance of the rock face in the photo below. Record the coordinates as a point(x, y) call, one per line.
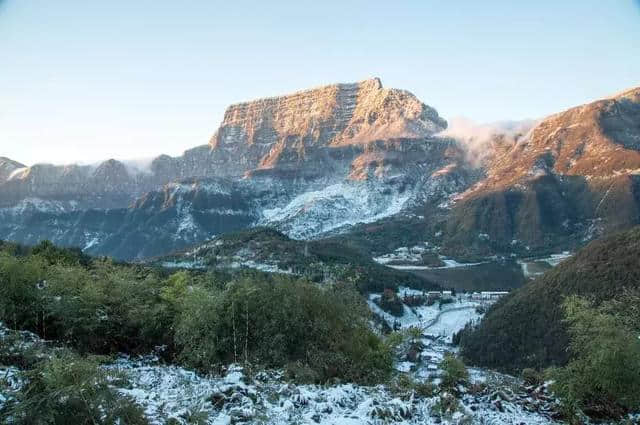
point(296, 134)
point(309, 163)
point(8, 167)
point(575, 176)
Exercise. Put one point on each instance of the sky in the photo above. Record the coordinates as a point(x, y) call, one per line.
point(90, 80)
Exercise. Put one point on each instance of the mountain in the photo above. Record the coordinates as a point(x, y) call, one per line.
point(8, 167)
point(272, 251)
point(299, 134)
point(361, 162)
point(526, 328)
point(574, 176)
point(310, 163)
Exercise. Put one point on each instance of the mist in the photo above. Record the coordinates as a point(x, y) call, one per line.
point(477, 138)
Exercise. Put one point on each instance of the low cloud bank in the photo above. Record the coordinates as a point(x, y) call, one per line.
point(478, 138)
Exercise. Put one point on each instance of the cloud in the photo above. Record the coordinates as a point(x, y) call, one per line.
point(478, 138)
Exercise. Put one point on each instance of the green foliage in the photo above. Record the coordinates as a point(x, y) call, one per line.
point(526, 328)
point(531, 377)
point(203, 320)
point(20, 299)
point(391, 303)
point(56, 255)
point(197, 329)
point(395, 339)
point(69, 389)
point(454, 372)
point(325, 260)
point(447, 404)
point(603, 376)
point(274, 324)
point(404, 386)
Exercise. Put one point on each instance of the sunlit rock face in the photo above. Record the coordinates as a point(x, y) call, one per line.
point(302, 133)
point(574, 177)
point(309, 163)
point(322, 161)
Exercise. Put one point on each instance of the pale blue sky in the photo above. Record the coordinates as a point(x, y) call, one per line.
point(87, 80)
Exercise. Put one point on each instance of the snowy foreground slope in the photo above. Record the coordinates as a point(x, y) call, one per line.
point(267, 399)
point(173, 395)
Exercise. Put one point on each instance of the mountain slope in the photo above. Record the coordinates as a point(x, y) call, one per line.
point(321, 260)
point(308, 163)
point(526, 328)
point(574, 176)
point(359, 160)
point(8, 167)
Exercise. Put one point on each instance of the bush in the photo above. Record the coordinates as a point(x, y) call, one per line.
point(20, 299)
point(274, 324)
point(404, 387)
point(203, 320)
point(68, 389)
point(603, 375)
point(391, 303)
point(454, 372)
point(531, 377)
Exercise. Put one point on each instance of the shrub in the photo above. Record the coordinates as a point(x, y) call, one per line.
point(531, 377)
point(273, 324)
point(454, 371)
point(404, 386)
point(603, 375)
point(68, 389)
point(20, 298)
point(197, 330)
point(203, 320)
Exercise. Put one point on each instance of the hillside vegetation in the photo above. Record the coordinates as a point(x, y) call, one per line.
point(528, 328)
point(203, 320)
point(324, 260)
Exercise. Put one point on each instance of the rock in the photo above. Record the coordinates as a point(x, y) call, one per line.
point(278, 134)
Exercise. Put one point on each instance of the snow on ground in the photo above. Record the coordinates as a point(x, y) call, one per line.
point(172, 392)
point(404, 254)
point(448, 264)
point(531, 266)
point(452, 321)
point(184, 264)
point(334, 207)
point(168, 391)
point(426, 316)
point(410, 258)
point(10, 382)
point(265, 267)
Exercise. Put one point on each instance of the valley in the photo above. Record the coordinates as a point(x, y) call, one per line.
point(331, 256)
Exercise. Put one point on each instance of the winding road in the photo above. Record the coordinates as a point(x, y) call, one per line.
point(436, 319)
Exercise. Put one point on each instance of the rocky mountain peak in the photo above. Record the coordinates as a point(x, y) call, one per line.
point(282, 132)
point(334, 114)
point(8, 167)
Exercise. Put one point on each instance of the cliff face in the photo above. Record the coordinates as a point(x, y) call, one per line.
point(320, 161)
point(8, 167)
point(308, 163)
point(357, 131)
point(298, 132)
